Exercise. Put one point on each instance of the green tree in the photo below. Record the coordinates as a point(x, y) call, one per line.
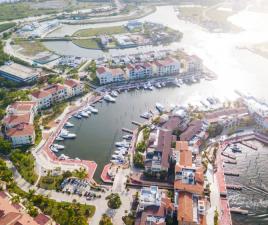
point(105, 220)
point(5, 173)
point(114, 201)
point(138, 160)
point(5, 146)
point(214, 130)
point(216, 217)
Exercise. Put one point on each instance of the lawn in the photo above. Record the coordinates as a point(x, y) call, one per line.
point(87, 43)
point(30, 48)
point(6, 26)
point(100, 31)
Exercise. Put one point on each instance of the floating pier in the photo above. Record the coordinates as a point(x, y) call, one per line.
point(229, 161)
point(127, 130)
point(249, 145)
point(229, 173)
point(239, 211)
point(234, 187)
point(136, 123)
point(228, 155)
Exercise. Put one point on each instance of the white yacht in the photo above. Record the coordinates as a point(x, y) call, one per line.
point(109, 98)
point(92, 109)
point(159, 107)
point(63, 157)
point(127, 137)
point(114, 93)
point(59, 147)
point(146, 115)
point(77, 116)
point(53, 149)
point(158, 85)
point(66, 134)
point(84, 114)
point(68, 125)
point(124, 144)
point(59, 138)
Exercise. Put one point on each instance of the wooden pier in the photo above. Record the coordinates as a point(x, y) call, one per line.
point(249, 145)
point(228, 155)
point(136, 123)
point(229, 161)
point(127, 130)
point(234, 187)
point(239, 211)
point(229, 173)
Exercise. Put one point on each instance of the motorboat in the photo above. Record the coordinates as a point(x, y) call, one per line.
point(68, 125)
point(53, 149)
point(151, 88)
point(159, 107)
point(124, 144)
point(235, 148)
point(77, 116)
point(114, 94)
point(163, 84)
point(127, 137)
point(145, 86)
point(63, 157)
point(92, 109)
point(109, 98)
point(59, 138)
point(59, 147)
point(84, 114)
point(158, 85)
point(146, 115)
point(66, 134)
point(180, 81)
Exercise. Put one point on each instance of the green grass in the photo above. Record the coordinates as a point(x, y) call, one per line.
point(100, 31)
point(87, 43)
point(30, 48)
point(20, 10)
point(6, 26)
point(25, 164)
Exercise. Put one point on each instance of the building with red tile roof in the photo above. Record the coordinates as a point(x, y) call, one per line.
point(167, 66)
point(108, 75)
point(22, 134)
point(74, 87)
point(42, 219)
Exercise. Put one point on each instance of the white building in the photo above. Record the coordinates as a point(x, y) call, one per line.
point(22, 134)
point(149, 196)
point(109, 75)
point(74, 87)
point(168, 66)
point(139, 71)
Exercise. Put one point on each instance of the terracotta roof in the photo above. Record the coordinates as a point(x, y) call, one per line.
point(164, 145)
point(101, 70)
point(10, 218)
point(225, 112)
point(42, 219)
point(21, 130)
point(40, 94)
point(17, 119)
point(54, 88)
point(72, 83)
point(185, 208)
point(193, 129)
point(22, 105)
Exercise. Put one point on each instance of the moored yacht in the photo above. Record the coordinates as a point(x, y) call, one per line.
point(59, 147)
point(84, 114)
point(159, 107)
point(68, 124)
point(109, 98)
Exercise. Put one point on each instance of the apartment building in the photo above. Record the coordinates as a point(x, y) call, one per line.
point(74, 87)
point(165, 67)
point(139, 71)
point(19, 121)
point(108, 75)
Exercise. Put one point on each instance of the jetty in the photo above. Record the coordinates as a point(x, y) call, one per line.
point(249, 145)
point(229, 161)
point(127, 130)
point(229, 173)
point(239, 211)
point(234, 187)
point(136, 123)
point(228, 155)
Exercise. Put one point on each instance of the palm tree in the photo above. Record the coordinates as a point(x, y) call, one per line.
point(30, 194)
point(15, 199)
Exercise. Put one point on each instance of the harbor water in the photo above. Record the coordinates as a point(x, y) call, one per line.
point(237, 69)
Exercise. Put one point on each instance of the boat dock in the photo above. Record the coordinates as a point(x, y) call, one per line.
point(127, 130)
point(228, 155)
point(239, 211)
point(136, 123)
point(234, 187)
point(249, 145)
point(229, 173)
point(229, 161)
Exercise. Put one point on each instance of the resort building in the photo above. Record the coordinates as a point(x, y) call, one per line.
point(159, 153)
point(74, 87)
point(15, 213)
point(154, 207)
point(109, 75)
point(139, 71)
point(18, 73)
point(134, 25)
point(188, 188)
point(19, 121)
point(164, 67)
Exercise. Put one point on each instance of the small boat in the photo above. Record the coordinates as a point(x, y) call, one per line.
point(77, 116)
point(76, 158)
point(180, 81)
point(145, 86)
point(151, 88)
point(159, 107)
point(84, 114)
point(59, 138)
point(63, 157)
point(68, 125)
point(158, 85)
point(109, 98)
point(59, 147)
point(124, 144)
point(163, 84)
point(65, 134)
point(127, 137)
point(114, 94)
point(235, 148)
point(92, 109)
point(146, 115)
point(53, 149)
